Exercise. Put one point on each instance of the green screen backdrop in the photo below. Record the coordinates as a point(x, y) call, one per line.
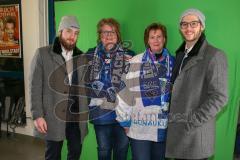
point(222, 30)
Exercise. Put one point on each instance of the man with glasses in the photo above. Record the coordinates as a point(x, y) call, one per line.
point(199, 92)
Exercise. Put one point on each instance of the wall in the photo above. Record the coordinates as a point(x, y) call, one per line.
point(222, 30)
point(34, 36)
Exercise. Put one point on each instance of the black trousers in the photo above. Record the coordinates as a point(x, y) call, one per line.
point(73, 136)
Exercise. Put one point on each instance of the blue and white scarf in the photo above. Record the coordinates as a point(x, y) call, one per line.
point(106, 72)
point(155, 75)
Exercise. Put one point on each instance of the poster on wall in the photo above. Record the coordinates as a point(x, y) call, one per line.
point(10, 27)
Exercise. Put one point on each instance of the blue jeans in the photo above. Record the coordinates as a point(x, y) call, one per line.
point(110, 138)
point(147, 150)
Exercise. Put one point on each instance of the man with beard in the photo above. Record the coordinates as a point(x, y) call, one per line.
point(53, 99)
point(199, 92)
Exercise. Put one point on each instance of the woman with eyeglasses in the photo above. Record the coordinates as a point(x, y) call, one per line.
point(143, 104)
point(108, 61)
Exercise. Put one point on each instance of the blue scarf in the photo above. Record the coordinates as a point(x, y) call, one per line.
point(107, 70)
point(155, 77)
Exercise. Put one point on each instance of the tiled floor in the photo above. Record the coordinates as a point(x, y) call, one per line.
point(21, 147)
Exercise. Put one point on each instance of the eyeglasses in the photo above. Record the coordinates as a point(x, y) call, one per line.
point(192, 24)
point(108, 33)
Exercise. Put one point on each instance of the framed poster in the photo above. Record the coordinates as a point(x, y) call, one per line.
point(10, 30)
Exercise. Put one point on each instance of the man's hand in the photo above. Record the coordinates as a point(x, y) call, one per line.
point(41, 125)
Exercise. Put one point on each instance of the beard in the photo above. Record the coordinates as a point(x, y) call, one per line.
point(193, 38)
point(66, 44)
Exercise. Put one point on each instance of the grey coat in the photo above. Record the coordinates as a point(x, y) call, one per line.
point(199, 93)
point(49, 94)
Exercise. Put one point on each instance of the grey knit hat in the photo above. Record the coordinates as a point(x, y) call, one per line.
point(68, 22)
point(195, 12)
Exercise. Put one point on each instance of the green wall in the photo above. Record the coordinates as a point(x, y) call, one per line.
point(222, 30)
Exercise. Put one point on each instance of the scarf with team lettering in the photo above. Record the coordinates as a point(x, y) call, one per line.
point(154, 78)
point(106, 72)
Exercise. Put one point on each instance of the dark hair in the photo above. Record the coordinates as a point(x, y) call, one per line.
point(155, 26)
point(111, 22)
point(10, 19)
